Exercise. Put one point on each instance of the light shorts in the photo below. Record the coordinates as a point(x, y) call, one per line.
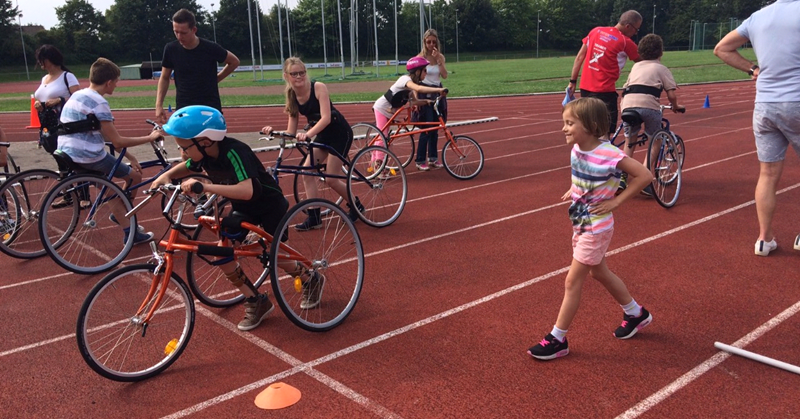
point(590, 249)
point(775, 126)
point(106, 164)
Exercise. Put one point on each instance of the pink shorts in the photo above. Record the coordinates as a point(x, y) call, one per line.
point(590, 249)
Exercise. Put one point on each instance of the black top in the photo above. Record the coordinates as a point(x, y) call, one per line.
point(235, 163)
point(195, 72)
point(311, 110)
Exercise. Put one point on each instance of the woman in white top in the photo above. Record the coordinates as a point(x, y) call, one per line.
point(427, 156)
point(57, 85)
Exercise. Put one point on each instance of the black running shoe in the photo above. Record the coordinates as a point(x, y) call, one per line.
point(630, 325)
point(549, 348)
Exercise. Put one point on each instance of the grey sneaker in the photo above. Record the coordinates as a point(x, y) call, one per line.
point(312, 291)
point(256, 309)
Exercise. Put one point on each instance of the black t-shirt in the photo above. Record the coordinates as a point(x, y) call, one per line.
point(195, 72)
point(235, 163)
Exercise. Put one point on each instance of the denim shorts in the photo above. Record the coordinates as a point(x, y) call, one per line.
point(651, 119)
point(775, 126)
point(106, 164)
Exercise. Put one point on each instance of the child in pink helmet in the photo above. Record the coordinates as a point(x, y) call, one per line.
point(405, 89)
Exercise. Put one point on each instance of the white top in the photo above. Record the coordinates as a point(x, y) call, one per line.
point(773, 31)
point(382, 105)
point(433, 78)
point(84, 147)
point(56, 88)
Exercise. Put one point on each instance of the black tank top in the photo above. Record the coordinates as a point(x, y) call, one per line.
point(312, 112)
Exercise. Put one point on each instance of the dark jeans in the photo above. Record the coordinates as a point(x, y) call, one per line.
point(428, 141)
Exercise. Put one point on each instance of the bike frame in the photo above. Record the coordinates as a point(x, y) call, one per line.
point(420, 127)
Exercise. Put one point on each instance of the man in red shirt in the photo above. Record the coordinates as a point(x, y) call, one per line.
point(601, 58)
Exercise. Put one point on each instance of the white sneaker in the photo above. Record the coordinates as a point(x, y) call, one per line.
point(763, 247)
point(797, 243)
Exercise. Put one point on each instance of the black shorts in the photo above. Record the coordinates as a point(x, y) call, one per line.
point(610, 99)
point(338, 136)
point(269, 219)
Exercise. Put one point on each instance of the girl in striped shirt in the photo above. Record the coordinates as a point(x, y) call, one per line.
point(596, 168)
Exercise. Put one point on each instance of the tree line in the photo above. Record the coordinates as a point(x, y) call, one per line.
point(135, 30)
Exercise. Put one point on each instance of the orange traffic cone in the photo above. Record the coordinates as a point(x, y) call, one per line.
point(35, 124)
point(277, 396)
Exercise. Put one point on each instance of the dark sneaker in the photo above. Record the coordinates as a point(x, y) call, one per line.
point(139, 228)
point(256, 309)
point(549, 348)
point(138, 238)
point(797, 243)
point(312, 291)
point(313, 222)
point(351, 213)
point(647, 191)
point(630, 325)
point(309, 224)
point(623, 183)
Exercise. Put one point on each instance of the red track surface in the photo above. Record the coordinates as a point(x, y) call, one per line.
point(463, 283)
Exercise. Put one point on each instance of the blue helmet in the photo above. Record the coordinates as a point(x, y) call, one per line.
point(196, 121)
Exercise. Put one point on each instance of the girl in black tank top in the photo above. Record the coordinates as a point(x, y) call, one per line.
point(326, 123)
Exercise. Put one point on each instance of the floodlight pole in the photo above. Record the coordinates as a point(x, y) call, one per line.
point(324, 43)
point(456, 35)
point(213, 22)
point(654, 18)
point(258, 26)
point(537, 32)
point(22, 38)
point(375, 24)
point(252, 48)
point(280, 29)
point(341, 44)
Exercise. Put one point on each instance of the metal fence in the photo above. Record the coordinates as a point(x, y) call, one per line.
point(703, 35)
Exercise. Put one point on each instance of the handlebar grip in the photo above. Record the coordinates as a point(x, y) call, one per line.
point(446, 91)
point(197, 187)
point(683, 110)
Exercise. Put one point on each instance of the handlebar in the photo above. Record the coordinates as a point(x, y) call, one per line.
point(682, 110)
point(150, 194)
point(282, 135)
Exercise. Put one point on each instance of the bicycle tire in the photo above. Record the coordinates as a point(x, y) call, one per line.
point(10, 169)
point(111, 338)
point(364, 135)
point(664, 164)
point(335, 252)
point(381, 188)
point(207, 281)
point(403, 146)
point(30, 187)
point(85, 240)
point(10, 211)
point(463, 157)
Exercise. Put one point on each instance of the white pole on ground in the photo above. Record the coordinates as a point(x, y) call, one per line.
point(756, 357)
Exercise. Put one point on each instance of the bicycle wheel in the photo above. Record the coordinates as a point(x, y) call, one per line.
point(403, 145)
point(365, 134)
point(208, 282)
point(81, 237)
point(382, 189)
point(188, 221)
point(664, 164)
point(463, 157)
point(112, 337)
point(324, 190)
point(680, 147)
point(10, 169)
point(333, 253)
point(29, 188)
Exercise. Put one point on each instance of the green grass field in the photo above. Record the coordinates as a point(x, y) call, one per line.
point(467, 78)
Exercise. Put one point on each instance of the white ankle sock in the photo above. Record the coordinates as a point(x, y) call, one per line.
point(632, 309)
point(558, 333)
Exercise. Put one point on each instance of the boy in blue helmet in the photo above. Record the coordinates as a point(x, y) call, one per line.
point(238, 175)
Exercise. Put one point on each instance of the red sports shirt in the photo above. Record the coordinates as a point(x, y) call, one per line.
point(606, 51)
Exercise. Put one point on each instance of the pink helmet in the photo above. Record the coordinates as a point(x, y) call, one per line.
point(415, 63)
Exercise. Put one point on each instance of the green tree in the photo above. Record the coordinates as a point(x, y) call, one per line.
point(10, 42)
point(80, 30)
point(518, 30)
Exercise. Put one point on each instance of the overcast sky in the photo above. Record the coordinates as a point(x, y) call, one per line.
point(43, 12)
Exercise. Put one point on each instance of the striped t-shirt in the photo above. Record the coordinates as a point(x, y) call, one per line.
point(84, 147)
point(595, 179)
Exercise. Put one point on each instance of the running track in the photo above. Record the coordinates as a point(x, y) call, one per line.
point(463, 283)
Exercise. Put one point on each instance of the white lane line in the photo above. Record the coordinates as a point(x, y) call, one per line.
point(298, 366)
point(311, 364)
point(684, 380)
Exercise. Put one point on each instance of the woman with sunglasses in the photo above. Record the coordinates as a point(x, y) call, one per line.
point(436, 71)
point(311, 99)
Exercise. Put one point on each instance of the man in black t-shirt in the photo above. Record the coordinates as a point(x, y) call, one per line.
point(194, 61)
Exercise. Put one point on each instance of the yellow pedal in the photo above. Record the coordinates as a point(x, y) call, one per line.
point(298, 284)
point(171, 345)
point(393, 172)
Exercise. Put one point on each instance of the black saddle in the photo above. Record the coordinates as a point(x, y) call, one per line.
point(631, 117)
point(66, 165)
